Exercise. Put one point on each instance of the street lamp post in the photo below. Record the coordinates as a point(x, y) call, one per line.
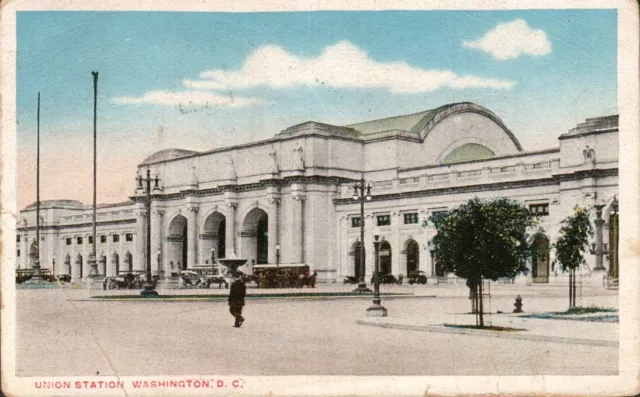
point(159, 260)
point(599, 222)
point(277, 255)
point(148, 287)
point(213, 261)
point(362, 192)
point(376, 309)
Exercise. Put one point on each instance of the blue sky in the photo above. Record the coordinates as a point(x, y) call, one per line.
point(167, 79)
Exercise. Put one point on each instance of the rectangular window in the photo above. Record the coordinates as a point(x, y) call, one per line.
point(79, 240)
point(383, 220)
point(116, 238)
point(69, 240)
point(129, 236)
point(90, 239)
point(18, 252)
point(355, 221)
point(103, 239)
point(539, 209)
point(437, 213)
point(17, 238)
point(411, 218)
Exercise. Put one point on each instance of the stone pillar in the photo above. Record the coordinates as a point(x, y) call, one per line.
point(599, 222)
point(297, 222)
point(139, 257)
point(156, 239)
point(192, 236)
point(230, 236)
point(274, 222)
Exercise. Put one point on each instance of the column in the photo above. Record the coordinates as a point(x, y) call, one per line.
point(599, 222)
point(156, 239)
point(230, 235)
point(274, 225)
point(297, 223)
point(140, 239)
point(192, 236)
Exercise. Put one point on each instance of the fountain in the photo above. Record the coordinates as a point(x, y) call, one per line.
point(232, 264)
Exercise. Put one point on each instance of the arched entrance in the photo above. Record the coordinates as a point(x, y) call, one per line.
point(413, 256)
point(213, 236)
point(385, 258)
point(255, 236)
point(67, 265)
point(177, 243)
point(128, 262)
point(79, 265)
point(33, 252)
point(115, 263)
point(356, 261)
point(540, 258)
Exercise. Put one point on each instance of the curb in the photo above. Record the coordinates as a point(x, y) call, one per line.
point(223, 298)
point(491, 334)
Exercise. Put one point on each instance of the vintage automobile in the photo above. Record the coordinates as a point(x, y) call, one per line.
point(130, 280)
point(386, 279)
point(350, 280)
point(203, 276)
point(284, 276)
point(417, 277)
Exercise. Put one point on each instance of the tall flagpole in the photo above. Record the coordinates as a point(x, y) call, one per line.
point(93, 260)
point(37, 276)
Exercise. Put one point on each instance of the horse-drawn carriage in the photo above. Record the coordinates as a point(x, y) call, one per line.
point(23, 275)
point(284, 276)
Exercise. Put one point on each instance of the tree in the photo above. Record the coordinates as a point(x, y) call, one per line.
point(483, 240)
point(571, 244)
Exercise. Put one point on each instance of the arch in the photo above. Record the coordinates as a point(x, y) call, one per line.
point(103, 264)
point(213, 235)
point(540, 253)
point(33, 253)
point(128, 262)
point(255, 235)
point(447, 111)
point(412, 251)
point(79, 264)
point(355, 253)
point(177, 242)
point(385, 257)
point(467, 152)
point(67, 265)
point(115, 262)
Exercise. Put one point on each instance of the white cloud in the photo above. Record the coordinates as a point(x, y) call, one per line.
point(188, 98)
point(342, 65)
point(512, 39)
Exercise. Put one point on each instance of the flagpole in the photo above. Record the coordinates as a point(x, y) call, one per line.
point(37, 276)
point(93, 272)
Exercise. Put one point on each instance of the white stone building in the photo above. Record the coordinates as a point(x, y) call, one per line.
point(295, 191)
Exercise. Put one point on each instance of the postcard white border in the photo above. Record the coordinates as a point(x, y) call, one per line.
point(629, 182)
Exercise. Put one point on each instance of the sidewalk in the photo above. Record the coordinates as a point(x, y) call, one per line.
point(542, 330)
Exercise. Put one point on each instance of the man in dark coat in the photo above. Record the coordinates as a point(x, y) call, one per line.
point(236, 299)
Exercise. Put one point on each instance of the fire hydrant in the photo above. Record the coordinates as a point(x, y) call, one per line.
point(518, 304)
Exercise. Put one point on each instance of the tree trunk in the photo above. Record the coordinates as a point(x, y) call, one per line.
point(570, 288)
point(574, 287)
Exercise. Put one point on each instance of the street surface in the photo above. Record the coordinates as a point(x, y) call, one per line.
point(61, 335)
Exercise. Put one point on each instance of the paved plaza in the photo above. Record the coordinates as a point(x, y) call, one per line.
point(64, 332)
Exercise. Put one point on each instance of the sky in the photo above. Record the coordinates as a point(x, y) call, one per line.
point(200, 81)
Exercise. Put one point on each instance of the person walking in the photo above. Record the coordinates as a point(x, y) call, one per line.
point(237, 293)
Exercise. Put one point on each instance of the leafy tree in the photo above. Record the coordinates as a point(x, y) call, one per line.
point(571, 245)
point(483, 240)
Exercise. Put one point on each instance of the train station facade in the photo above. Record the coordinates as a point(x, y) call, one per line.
point(290, 198)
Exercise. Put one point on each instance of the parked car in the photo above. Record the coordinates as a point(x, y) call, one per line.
point(386, 279)
point(417, 277)
point(350, 280)
point(130, 280)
